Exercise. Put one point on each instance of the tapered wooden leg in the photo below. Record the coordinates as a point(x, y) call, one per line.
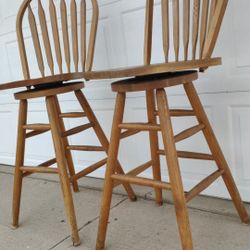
point(20, 150)
point(68, 154)
point(216, 151)
point(101, 136)
point(62, 166)
point(111, 166)
point(174, 171)
point(154, 144)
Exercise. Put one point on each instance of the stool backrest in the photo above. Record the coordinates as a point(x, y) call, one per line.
point(55, 41)
point(189, 27)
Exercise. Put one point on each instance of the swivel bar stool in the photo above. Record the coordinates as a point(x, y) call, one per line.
point(153, 79)
point(49, 86)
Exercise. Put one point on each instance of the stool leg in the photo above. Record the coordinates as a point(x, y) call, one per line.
point(111, 168)
point(68, 154)
point(154, 144)
point(174, 171)
point(101, 136)
point(216, 151)
point(19, 162)
point(62, 166)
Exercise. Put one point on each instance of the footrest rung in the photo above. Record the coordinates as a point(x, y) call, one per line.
point(203, 185)
point(129, 132)
point(140, 169)
point(35, 133)
point(37, 127)
point(89, 169)
point(190, 155)
point(72, 115)
point(141, 181)
point(139, 126)
point(137, 171)
point(189, 132)
point(77, 130)
point(44, 164)
point(40, 169)
point(182, 112)
point(85, 148)
point(48, 163)
point(179, 112)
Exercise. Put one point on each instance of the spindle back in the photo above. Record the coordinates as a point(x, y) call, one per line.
point(59, 34)
point(192, 32)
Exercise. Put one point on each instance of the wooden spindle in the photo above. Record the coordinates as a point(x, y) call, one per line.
point(196, 20)
point(74, 32)
point(148, 31)
point(214, 28)
point(165, 27)
point(36, 42)
point(211, 12)
point(92, 37)
point(21, 44)
point(83, 33)
point(45, 36)
point(186, 26)
point(54, 25)
point(65, 33)
point(204, 22)
point(176, 28)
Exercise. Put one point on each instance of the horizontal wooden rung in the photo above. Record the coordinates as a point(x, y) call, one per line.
point(136, 171)
point(42, 169)
point(35, 133)
point(85, 148)
point(182, 112)
point(128, 133)
point(72, 115)
point(48, 163)
point(179, 112)
point(189, 132)
point(141, 181)
point(77, 130)
point(44, 164)
point(89, 169)
point(203, 185)
point(139, 126)
point(140, 169)
point(190, 155)
point(37, 126)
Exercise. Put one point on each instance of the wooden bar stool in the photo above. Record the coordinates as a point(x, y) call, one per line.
point(153, 80)
point(54, 81)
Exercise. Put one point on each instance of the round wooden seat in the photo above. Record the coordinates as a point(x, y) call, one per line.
point(52, 89)
point(156, 81)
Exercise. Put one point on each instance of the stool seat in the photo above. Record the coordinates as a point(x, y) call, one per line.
point(50, 90)
point(156, 81)
point(152, 69)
